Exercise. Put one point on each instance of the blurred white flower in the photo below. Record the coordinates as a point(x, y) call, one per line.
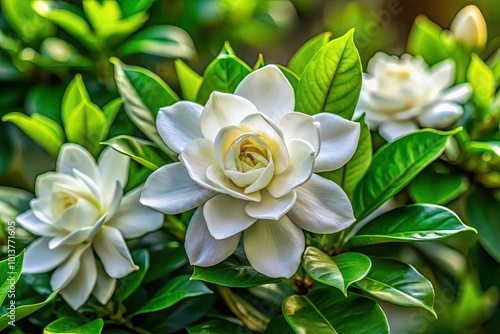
point(78, 210)
point(469, 27)
point(247, 161)
point(400, 94)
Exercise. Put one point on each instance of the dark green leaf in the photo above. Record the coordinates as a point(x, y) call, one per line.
point(306, 52)
point(394, 166)
point(398, 283)
point(110, 110)
point(339, 271)
point(278, 325)
point(292, 78)
point(326, 310)
point(68, 325)
point(331, 81)
point(189, 80)
point(128, 284)
point(218, 326)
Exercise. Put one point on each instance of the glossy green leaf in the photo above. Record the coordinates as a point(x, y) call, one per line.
point(425, 40)
point(43, 130)
point(326, 310)
point(25, 310)
point(110, 110)
point(144, 152)
point(143, 93)
point(70, 325)
point(133, 7)
point(236, 272)
point(75, 93)
point(175, 290)
point(398, 283)
point(306, 52)
point(349, 175)
point(482, 81)
point(484, 212)
point(278, 325)
point(223, 74)
point(189, 80)
point(331, 81)
point(292, 78)
point(25, 21)
point(394, 166)
point(10, 268)
point(128, 284)
point(417, 222)
point(339, 271)
point(86, 125)
point(218, 326)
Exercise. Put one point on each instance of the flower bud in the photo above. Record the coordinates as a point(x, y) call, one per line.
point(469, 27)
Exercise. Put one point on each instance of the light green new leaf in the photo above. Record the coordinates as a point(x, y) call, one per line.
point(25, 21)
point(326, 310)
point(67, 325)
point(223, 74)
point(417, 222)
point(339, 271)
point(10, 271)
point(331, 81)
point(351, 173)
point(481, 78)
point(128, 284)
point(43, 130)
point(144, 152)
point(110, 110)
point(86, 125)
point(75, 94)
point(425, 40)
point(25, 310)
point(398, 283)
point(175, 290)
point(189, 80)
point(305, 53)
point(143, 93)
point(235, 271)
point(394, 166)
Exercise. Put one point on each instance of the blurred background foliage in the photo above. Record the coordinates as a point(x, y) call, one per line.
point(44, 44)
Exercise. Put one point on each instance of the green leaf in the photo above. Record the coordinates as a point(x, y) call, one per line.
point(70, 325)
point(162, 41)
point(437, 188)
point(482, 81)
point(10, 268)
point(175, 290)
point(133, 7)
point(144, 152)
point(189, 80)
point(143, 93)
point(278, 325)
point(223, 74)
point(292, 78)
point(43, 130)
point(394, 166)
point(218, 326)
point(75, 94)
point(417, 222)
point(426, 40)
point(25, 310)
point(236, 272)
point(351, 173)
point(307, 51)
point(128, 284)
point(339, 271)
point(86, 125)
point(259, 63)
point(331, 81)
point(110, 110)
point(398, 283)
point(326, 310)
point(13, 201)
point(25, 21)
point(483, 211)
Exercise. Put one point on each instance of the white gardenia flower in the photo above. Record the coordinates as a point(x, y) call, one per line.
point(247, 161)
point(400, 94)
point(469, 27)
point(80, 210)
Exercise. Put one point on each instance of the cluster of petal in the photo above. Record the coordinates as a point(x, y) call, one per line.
point(78, 210)
point(247, 161)
point(469, 27)
point(400, 94)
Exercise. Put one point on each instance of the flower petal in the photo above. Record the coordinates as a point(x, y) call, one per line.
point(339, 140)
point(274, 248)
point(71, 239)
point(40, 259)
point(391, 130)
point(105, 285)
point(302, 126)
point(459, 94)
point(441, 115)
point(113, 168)
point(171, 190)
point(215, 174)
point(223, 110)
point(79, 289)
point(63, 275)
point(269, 207)
point(82, 214)
point(321, 207)
point(113, 252)
point(197, 157)
point(223, 223)
point(299, 171)
point(269, 90)
point(202, 248)
point(73, 156)
point(179, 124)
point(33, 224)
point(44, 183)
point(443, 74)
point(131, 212)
